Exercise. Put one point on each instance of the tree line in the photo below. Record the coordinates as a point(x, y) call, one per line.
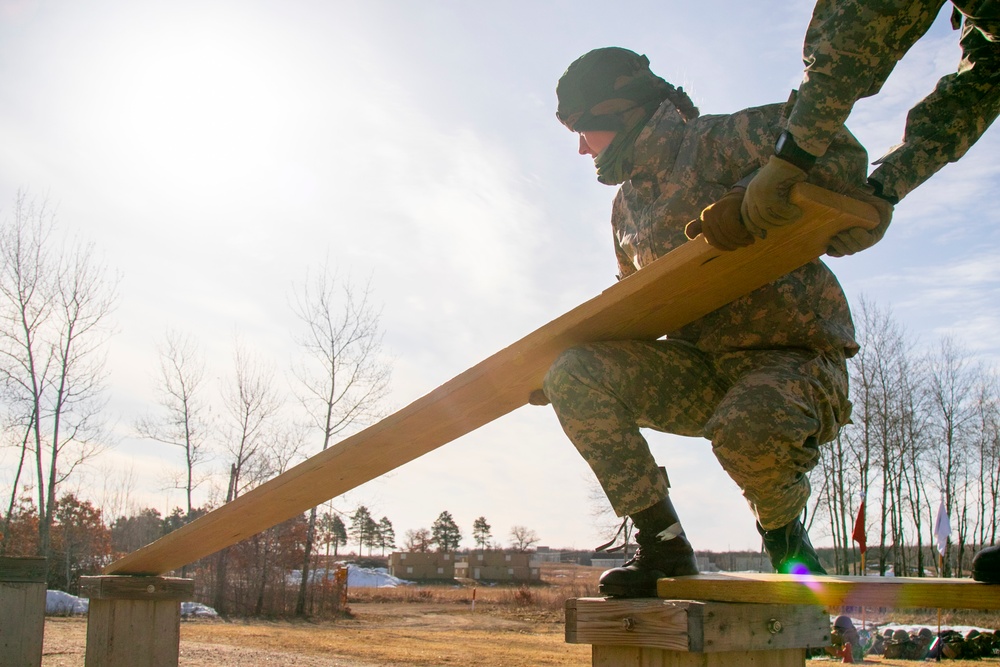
point(924, 433)
point(445, 535)
point(256, 577)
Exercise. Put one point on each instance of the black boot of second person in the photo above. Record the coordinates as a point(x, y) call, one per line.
point(986, 565)
point(664, 551)
point(790, 550)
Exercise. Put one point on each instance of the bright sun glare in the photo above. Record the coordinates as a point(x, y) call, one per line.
point(195, 104)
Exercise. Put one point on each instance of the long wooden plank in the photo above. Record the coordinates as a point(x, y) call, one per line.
point(678, 288)
point(833, 591)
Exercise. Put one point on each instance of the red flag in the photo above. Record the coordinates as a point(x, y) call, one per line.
point(859, 528)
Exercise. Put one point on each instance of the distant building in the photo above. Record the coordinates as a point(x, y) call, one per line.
point(749, 563)
point(499, 566)
point(607, 563)
point(416, 566)
point(547, 555)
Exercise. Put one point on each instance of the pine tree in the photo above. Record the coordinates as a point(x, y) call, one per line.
point(445, 532)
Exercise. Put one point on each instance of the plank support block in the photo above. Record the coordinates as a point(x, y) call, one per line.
point(134, 621)
point(685, 633)
point(22, 610)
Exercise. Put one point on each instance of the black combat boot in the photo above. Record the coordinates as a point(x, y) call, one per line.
point(664, 551)
point(790, 550)
point(986, 565)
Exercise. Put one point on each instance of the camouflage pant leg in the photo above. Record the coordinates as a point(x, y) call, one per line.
point(944, 125)
point(767, 430)
point(604, 392)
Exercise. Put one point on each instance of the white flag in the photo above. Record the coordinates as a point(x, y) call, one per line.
point(942, 527)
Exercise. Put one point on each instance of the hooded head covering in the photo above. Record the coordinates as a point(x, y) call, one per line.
point(610, 89)
point(600, 86)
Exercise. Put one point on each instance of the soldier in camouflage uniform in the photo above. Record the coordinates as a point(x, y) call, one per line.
point(851, 47)
point(764, 378)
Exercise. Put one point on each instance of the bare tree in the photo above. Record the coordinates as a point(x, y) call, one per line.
point(184, 422)
point(919, 421)
point(251, 402)
point(987, 445)
point(55, 308)
point(952, 390)
point(419, 540)
point(522, 538)
point(343, 377)
point(117, 488)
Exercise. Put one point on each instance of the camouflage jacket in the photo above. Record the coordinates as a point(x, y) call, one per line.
point(679, 169)
point(851, 47)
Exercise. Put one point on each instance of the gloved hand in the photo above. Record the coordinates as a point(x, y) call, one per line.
point(721, 224)
point(766, 204)
point(857, 239)
point(538, 397)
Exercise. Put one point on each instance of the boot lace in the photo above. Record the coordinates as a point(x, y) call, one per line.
point(624, 531)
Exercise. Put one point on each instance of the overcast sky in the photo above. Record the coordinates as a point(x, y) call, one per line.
point(213, 151)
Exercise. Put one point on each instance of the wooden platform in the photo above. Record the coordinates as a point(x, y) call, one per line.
point(678, 288)
point(683, 633)
point(834, 591)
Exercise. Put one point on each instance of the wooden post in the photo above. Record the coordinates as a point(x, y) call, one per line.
point(649, 632)
point(22, 611)
point(134, 621)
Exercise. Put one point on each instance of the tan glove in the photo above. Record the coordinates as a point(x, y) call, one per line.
point(721, 224)
point(857, 239)
point(538, 397)
point(766, 204)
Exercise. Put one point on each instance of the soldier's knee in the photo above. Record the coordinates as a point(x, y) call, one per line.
point(567, 367)
point(742, 458)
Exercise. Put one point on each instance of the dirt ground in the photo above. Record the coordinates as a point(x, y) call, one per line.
point(379, 635)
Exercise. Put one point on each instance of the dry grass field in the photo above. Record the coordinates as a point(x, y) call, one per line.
point(433, 625)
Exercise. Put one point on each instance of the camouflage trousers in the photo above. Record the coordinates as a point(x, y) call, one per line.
point(765, 411)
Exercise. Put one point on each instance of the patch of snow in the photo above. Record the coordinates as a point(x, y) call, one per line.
point(61, 603)
point(357, 577)
point(197, 610)
point(375, 577)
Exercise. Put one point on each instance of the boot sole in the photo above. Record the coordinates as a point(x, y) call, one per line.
point(986, 577)
point(626, 591)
